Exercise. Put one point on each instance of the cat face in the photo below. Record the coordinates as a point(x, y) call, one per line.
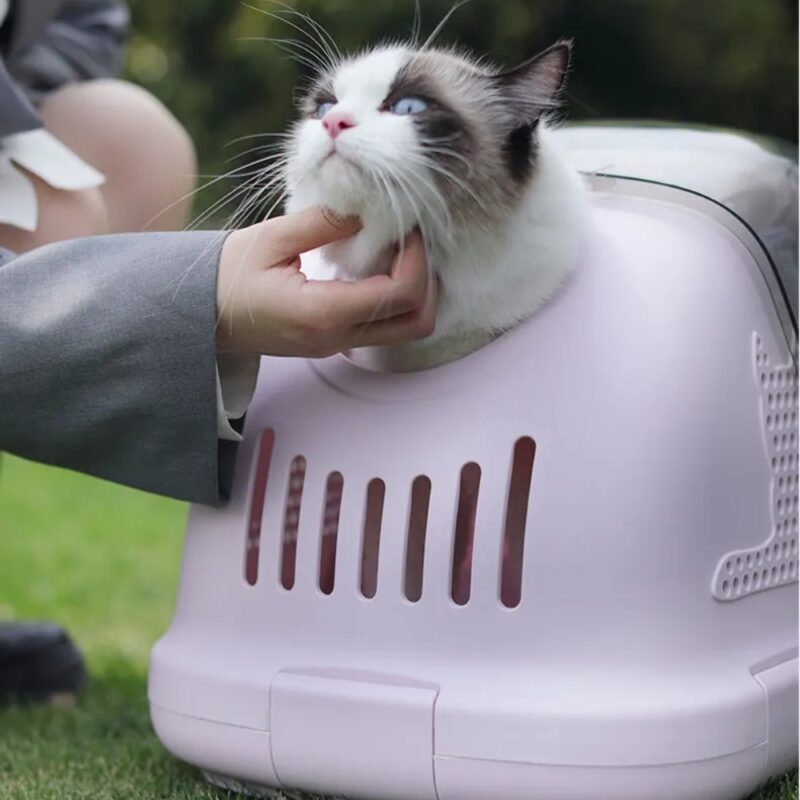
point(422, 137)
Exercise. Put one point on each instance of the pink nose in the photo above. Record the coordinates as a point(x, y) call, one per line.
point(337, 121)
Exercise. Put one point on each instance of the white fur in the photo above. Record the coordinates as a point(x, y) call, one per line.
point(492, 277)
point(499, 278)
point(321, 172)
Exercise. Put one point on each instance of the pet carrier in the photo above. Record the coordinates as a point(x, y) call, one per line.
point(562, 567)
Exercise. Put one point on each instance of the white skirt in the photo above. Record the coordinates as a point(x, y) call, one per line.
point(41, 154)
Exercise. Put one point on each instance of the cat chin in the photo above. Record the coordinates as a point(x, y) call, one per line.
point(359, 258)
point(345, 204)
point(369, 252)
point(337, 184)
point(372, 250)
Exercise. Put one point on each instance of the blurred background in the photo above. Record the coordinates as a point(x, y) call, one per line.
point(730, 63)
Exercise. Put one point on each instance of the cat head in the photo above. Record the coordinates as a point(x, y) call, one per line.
point(422, 136)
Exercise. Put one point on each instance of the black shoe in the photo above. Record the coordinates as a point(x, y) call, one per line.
point(38, 662)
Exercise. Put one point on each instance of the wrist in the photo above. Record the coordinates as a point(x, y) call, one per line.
point(226, 294)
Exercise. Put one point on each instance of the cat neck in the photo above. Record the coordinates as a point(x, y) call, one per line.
point(419, 356)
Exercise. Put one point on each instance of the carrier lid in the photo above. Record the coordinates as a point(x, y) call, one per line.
point(754, 178)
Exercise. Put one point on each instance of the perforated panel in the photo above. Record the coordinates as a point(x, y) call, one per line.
point(742, 573)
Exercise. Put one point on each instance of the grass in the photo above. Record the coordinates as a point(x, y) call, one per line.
point(103, 561)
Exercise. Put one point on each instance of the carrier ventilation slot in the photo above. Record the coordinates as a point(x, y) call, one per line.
point(415, 540)
point(511, 548)
point(253, 544)
point(463, 541)
point(516, 519)
point(371, 542)
point(330, 532)
point(291, 521)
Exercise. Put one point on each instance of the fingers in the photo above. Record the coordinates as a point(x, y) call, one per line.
point(407, 327)
point(380, 297)
point(293, 234)
point(410, 274)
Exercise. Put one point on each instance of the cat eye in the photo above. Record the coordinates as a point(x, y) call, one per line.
point(324, 108)
point(409, 105)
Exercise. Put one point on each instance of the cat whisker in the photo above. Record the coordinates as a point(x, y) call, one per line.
point(256, 136)
point(278, 200)
point(249, 186)
point(231, 174)
point(271, 163)
point(410, 182)
point(217, 205)
point(225, 301)
point(398, 213)
point(436, 167)
point(277, 151)
point(251, 174)
point(432, 242)
point(188, 271)
point(244, 209)
point(325, 40)
point(440, 27)
point(210, 212)
point(260, 165)
point(222, 234)
point(408, 186)
point(323, 34)
point(449, 153)
point(379, 176)
point(416, 28)
point(309, 61)
point(330, 57)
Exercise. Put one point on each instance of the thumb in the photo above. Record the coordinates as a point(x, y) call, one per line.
point(303, 231)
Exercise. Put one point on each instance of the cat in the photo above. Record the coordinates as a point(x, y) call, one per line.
point(417, 137)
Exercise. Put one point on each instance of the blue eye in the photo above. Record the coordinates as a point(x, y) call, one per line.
point(409, 105)
point(323, 109)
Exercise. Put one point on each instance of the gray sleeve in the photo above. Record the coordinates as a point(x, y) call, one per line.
point(108, 361)
point(86, 40)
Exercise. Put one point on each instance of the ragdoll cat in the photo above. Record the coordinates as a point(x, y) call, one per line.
point(409, 137)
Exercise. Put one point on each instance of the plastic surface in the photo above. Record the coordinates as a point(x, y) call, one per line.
point(744, 173)
point(619, 673)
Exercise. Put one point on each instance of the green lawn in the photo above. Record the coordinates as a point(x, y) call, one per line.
point(103, 561)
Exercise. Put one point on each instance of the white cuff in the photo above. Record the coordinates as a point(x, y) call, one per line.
point(236, 382)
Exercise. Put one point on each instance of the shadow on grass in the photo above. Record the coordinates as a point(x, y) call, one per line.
point(105, 748)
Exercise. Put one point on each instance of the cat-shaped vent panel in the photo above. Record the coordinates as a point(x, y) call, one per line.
point(742, 573)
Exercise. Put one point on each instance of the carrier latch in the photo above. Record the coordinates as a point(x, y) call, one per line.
point(361, 735)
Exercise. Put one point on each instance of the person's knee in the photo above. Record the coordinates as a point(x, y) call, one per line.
point(87, 213)
point(69, 215)
point(61, 215)
point(146, 154)
point(142, 122)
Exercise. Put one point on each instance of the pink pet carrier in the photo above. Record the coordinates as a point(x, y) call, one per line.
point(563, 567)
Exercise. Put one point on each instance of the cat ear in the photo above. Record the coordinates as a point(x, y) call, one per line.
point(535, 85)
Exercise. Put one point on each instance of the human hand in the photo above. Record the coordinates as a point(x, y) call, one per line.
point(266, 305)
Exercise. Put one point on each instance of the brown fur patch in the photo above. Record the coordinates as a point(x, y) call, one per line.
point(480, 129)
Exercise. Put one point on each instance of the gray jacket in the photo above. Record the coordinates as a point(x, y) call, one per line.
point(47, 43)
point(108, 361)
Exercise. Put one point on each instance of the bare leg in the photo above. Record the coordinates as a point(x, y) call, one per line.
point(145, 154)
point(62, 215)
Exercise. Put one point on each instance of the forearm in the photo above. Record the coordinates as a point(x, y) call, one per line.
point(107, 360)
